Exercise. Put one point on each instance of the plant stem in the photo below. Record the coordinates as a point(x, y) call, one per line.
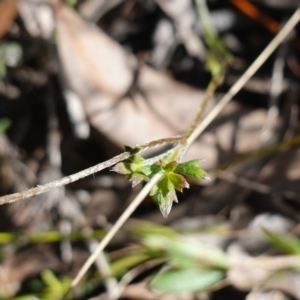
point(282, 34)
point(120, 222)
point(210, 91)
point(63, 181)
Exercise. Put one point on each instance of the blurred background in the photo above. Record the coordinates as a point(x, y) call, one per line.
point(79, 79)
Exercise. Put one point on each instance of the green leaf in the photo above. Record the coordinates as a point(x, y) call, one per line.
point(166, 204)
point(121, 265)
point(137, 158)
point(163, 186)
point(137, 178)
point(284, 243)
point(186, 280)
point(191, 168)
point(144, 229)
point(150, 170)
point(165, 190)
point(56, 288)
point(164, 193)
point(70, 3)
point(2, 68)
point(171, 166)
point(122, 168)
point(183, 254)
point(135, 169)
point(187, 255)
point(4, 124)
point(10, 56)
point(178, 181)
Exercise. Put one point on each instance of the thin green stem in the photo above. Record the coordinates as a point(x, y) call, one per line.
point(210, 91)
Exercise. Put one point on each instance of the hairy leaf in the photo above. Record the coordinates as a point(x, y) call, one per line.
point(191, 168)
point(136, 179)
point(171, 166)
point(178, 181)
point(164, 193)
point(122, 168)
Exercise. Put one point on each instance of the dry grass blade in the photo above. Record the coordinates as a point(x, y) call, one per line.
point(63, 181)
point(123, 218)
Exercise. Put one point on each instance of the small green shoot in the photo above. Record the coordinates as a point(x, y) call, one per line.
point(56, 288)
point(138, 169)
point(10, 56)
point(286, 244)
point(186, 280)
point(192, 267)
point(70, 3)
point(4, 124)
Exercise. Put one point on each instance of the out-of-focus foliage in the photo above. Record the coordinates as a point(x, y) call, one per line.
point(10, 56)
point(4, 124)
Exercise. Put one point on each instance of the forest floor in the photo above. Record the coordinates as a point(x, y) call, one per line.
point(81, 79)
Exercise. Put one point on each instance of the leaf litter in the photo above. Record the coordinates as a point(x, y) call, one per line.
point(130, 95)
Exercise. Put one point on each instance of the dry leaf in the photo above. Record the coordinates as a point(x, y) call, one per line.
point(132, 107)
point(102, 74)
point(8, 12)
point(37, 17)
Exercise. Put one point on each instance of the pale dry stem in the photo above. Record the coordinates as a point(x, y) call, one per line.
point(63, 181)
point(120, 222)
